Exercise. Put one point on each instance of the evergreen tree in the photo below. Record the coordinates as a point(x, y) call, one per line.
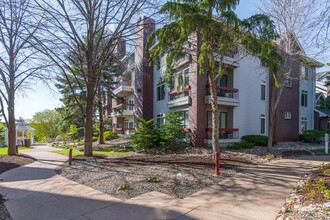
point(209, 30)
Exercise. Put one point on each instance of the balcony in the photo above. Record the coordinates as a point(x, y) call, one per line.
point(124, 130)
point(226, 135)
point(123, 110)
point(226, 96)
point(179, 97)
point(182, 61)
point(231, 58)
point(123, 88)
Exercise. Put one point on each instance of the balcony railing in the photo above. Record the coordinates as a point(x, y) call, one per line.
point(124, 129)
point(224, 133)
point(179, 93)
point(123, 82)
point(124, 106)
point(225, 92)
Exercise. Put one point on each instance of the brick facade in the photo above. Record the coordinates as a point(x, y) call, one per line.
point(143, 83)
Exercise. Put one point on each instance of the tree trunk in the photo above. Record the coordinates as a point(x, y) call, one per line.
point(215, 115)
point(101, 126)
point(272, 110)
point(271, 130)
point(88, 147)
point(11, 127)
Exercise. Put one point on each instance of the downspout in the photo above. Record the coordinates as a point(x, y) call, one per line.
point(313, 94)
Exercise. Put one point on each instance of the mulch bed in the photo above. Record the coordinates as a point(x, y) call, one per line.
point(295, 153)
point(11, 162)
point(308, 200)
point(318, 196)
point(179, 176)
point(193, 162)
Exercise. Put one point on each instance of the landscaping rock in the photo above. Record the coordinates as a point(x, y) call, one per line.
point(327, 204)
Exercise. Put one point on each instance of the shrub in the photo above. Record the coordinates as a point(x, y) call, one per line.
point(240, 145)
point(311, 136)
point(95, 139)
point(144, 136)
point(153, 179)
point(173, 134)
point(80, 142)
point(62, 137)
point(110, 135)
point(66, 147)
point(125, 186)
point(258, 140)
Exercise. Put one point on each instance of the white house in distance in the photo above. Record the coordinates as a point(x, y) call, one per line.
point(23, 132)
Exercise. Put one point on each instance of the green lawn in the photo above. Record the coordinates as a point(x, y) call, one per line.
point(321, 151)
point(4, 150)
point(110, 151)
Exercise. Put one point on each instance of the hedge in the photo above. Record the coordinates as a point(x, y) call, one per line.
point(258, 140)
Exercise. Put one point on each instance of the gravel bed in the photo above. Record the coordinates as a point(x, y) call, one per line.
point(296, 207)
point(4, 214)
point(176, 181)
point(10, 162)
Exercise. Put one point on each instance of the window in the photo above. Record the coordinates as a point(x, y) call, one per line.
point(288, 84)
point(222, 119)
point(262, 124)
point(158, 64)
point(287, 115)
point(185, 116)
point(263, 90)
point(126, 124)
point(306, 73)
point(130, 102)
point(160, 120)
point(186, 77)
point(161, 91)
point(303, 124)
point(328, 124)
point(304, 98)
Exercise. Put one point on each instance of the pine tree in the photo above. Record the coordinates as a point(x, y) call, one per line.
point(210, 29)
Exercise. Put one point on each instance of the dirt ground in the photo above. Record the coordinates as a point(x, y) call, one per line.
point(311, 192)
point(194, 162)
point(11, 162)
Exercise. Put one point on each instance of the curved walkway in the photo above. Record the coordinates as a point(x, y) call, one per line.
point(35, 192)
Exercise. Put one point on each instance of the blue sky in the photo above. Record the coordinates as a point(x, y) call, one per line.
point(40, 97)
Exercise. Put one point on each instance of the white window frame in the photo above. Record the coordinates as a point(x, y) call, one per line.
point(287, 115)
point(263, 120)
point(263, 86)
point(160, 120)
point(288, 84)
point(305, 121)
point(304, 98)
point(160, 93)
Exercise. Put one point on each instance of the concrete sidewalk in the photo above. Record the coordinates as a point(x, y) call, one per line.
point(36, 192)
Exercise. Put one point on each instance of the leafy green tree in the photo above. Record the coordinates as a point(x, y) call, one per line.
point(46, 124)
point(73, 132)
point(172, 131)
point(208, 31)
point(144, 136)
point(2, 134)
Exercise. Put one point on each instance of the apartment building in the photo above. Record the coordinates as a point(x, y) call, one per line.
point(243, 96)
point(321, 115)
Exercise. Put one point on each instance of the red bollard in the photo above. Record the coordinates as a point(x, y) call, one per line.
point(16, 149)
point(70, 157)
point(217, 173)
